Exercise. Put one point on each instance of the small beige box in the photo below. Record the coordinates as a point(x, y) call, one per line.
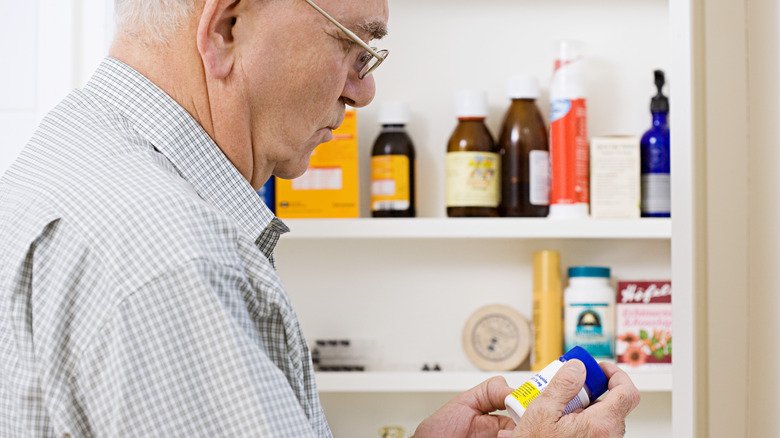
point(614, 177)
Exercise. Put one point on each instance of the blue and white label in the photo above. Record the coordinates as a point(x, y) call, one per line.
point(591, 326)
point(560, 107)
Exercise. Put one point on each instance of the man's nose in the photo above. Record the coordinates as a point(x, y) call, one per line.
point(359, 92)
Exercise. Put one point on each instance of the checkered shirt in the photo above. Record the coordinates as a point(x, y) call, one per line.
point(138, 295)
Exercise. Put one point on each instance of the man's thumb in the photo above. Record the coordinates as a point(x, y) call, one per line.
point(563, 387)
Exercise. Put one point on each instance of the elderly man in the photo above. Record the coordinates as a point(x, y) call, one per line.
point(138, 295)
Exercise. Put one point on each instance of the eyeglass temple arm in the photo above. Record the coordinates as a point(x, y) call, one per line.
point(345, 30)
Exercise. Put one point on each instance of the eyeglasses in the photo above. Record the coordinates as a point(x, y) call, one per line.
point(369, 60)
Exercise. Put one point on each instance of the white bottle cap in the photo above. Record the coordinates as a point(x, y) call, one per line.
point(568, 211)
point(568, 80)
point(569, 50)
point(471, 103)
point(394, 113)
point(523, 87)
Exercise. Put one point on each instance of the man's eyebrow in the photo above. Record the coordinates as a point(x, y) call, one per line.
point(376, 29)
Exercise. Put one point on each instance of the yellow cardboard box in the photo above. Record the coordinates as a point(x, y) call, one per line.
point(329, 188)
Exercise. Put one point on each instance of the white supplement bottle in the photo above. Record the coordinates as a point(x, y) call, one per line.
point(595, 385)
point(589, 311)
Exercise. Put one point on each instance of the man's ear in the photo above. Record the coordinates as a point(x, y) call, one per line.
point(215, 37)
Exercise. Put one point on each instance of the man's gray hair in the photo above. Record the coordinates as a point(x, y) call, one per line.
point(151, 19)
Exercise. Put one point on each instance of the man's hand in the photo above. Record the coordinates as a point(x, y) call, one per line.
point(605, 418)
point(467, 414)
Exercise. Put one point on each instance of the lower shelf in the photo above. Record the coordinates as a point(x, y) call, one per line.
point(656, 380)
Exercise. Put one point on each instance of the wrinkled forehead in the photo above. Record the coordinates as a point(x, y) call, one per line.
point(367, 18)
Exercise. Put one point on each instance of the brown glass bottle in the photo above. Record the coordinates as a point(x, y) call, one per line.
point(524, 184)
point(473, 164)
point(393, 162)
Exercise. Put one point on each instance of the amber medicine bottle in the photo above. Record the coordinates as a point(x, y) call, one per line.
point(392, 165)
point(472, 163)
point(525, 157)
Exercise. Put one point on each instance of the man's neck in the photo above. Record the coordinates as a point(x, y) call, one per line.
point(177, 69)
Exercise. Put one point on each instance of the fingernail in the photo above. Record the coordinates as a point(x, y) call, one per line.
point(575, 363)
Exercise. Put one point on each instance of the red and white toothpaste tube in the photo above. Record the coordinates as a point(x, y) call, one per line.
point(569, 151)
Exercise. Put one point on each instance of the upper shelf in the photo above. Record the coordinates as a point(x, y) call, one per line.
point(478, 228)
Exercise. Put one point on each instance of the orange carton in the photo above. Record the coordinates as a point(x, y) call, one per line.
point(329, 188)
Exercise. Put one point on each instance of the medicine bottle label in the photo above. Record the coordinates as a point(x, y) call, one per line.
point(656, 193)
point(390, 182)
point(539, 177)
point(473, 179)
point(533, 388)
point(591, 326)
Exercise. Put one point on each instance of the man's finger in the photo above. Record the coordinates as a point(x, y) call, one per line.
point(615, 375)
point(563, 387)
point(622, 398)
point(488, 396)
point(505, 423)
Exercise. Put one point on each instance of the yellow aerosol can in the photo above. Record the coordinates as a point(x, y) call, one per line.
point(547, 309)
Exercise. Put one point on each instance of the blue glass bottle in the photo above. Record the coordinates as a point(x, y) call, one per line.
point(656, 175)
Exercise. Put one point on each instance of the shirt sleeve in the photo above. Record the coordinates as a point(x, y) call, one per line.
point(178, 358)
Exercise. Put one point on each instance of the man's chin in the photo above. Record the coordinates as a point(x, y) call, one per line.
point(292, 170)
point(323, 135)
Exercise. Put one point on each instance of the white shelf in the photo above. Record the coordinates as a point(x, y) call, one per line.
point(478, 228)
point(375, 382)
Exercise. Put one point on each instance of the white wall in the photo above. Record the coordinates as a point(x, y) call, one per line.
point(38, 51)
point(764, 196)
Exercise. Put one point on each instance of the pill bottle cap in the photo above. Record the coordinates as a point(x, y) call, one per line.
point(471, 103)
point(589, 271)
point(523, 87)
point(595, 379)
point(393, 113)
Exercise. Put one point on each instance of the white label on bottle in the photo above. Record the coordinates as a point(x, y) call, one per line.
point(656, 193)
point(535, 386)
point(383, 187)
point(539, 177)
point(591, 326)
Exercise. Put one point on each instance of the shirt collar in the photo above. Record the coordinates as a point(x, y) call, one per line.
point(178, 136)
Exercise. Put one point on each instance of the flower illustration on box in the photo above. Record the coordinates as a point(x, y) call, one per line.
point(639, 346)
point(644, 321)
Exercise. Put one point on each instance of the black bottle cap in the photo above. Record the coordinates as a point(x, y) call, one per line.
point(659, 103)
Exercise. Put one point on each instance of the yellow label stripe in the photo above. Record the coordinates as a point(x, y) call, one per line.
point(526, 393)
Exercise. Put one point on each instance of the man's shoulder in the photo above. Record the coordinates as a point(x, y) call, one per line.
point(88, 166)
